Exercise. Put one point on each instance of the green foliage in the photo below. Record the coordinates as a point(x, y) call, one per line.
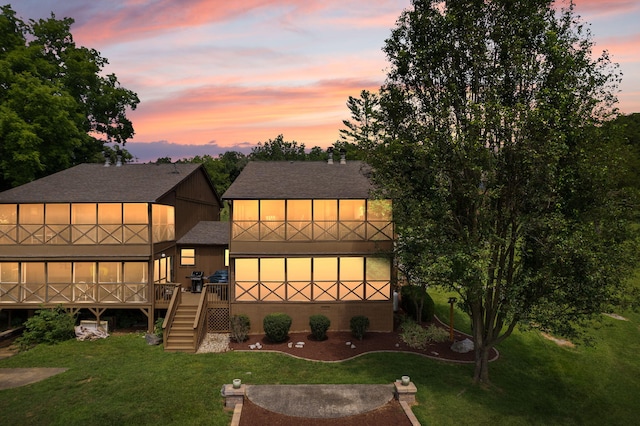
point(319, 325)
point(359, 325)
point(416, 300)
point(418, 337)
point(240, 326)
point(48, 326)
point(57, 107)
point(278, 150)
point(222, 170)
point(157, 327)
point(276, 326)
point(507, 189)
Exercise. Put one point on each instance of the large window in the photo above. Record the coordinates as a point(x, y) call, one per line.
point(311, 220)
point(8, 223)
point(82, 223)
point(163, 223)
point(305, 279)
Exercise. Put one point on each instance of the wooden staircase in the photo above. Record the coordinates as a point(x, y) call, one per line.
point(182, 336)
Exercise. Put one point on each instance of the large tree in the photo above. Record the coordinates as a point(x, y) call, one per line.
point(493, 152)
point(57, 109)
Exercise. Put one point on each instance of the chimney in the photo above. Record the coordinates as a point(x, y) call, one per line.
point(343, 156)
point(330, 151)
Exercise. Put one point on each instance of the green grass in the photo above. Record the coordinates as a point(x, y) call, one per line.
point(121, 380)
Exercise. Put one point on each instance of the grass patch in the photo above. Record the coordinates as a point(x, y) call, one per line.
point(121, 380)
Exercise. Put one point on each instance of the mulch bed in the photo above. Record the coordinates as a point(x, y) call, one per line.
point(335, 347)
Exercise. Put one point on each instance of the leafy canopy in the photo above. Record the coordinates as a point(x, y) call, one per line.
point(488, 137)
point(56, 108)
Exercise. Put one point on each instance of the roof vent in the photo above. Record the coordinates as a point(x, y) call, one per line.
point(343, 156)
point(118, 161)
point(330, 151)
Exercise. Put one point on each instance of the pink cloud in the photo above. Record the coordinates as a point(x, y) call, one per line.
point(311, 114)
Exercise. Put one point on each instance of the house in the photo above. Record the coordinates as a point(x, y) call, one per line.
point(97, 237)
point(310, 238)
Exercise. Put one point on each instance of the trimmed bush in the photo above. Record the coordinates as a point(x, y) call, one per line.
point(359, 326)
point(240, 326)
point(47, 326)
point(411, 295)
point(276, 326)
point(157, 329)
point(319, 325)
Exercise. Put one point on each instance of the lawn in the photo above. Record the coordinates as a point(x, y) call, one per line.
point(121, 380)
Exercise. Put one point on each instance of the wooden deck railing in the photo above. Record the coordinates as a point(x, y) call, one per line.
point(176, 298)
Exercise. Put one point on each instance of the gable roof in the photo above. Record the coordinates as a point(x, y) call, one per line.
point(301, 180)
point(99, 183)
point(207, 232)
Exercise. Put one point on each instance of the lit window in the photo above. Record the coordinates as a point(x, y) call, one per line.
point(187, 257)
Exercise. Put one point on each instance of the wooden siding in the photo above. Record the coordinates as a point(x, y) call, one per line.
point(380, 314)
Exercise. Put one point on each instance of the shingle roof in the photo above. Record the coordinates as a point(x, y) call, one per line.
point(97, 183)
point(207, 233)
point(301, 180)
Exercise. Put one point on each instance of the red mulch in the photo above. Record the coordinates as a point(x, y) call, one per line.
point(335, 347)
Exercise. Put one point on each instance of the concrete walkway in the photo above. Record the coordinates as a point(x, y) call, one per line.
point(15, 377)
point(320, 401)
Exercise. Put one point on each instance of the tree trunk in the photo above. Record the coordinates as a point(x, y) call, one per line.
point(481, 373)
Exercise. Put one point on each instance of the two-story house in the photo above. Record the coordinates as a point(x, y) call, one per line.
point(309, 238)
point(97, 237)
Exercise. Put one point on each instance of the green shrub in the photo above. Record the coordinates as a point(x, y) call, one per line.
point(411, 295)
point(437, 334)
point(413, 334)
point(158, 327)
point(47, 326)
point(359, 326)
point(319, 325)
point(240, 326)
point(276, 326)
point(416, 336)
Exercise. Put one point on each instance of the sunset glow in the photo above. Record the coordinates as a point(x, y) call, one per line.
point(218, 75)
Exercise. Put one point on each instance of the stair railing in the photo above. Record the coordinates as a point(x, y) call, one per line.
point(199, 326)
point(176, 298)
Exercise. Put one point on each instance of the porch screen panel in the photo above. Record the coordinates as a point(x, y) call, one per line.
point(8, 223)
point(246, 280)
point(57, 219)
point(299, 220)
point(60, 281)
point(325, 220)
point(378, 276)
point(109, 282)
point(272, 286)
point(352, 225)
point(135, 281)
point(84, 223)
point(325, 278)
point(164, 228)
point(272, 220)
point(31, 224)
point(162, 269)
point(34, 282)
point(136, 223)
point(84, 278)
point(9, 287)
point(299, 279)
point(379, 220)
point(351, 278)
point(245, 220)
point(110, 223)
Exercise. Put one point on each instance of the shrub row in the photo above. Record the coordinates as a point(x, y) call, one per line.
point(276, 326)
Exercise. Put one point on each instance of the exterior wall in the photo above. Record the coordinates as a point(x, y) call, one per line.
point(208, 260)
point(380, 314)
point(195, 200)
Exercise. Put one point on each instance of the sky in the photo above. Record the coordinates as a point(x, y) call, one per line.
point(221, 75)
